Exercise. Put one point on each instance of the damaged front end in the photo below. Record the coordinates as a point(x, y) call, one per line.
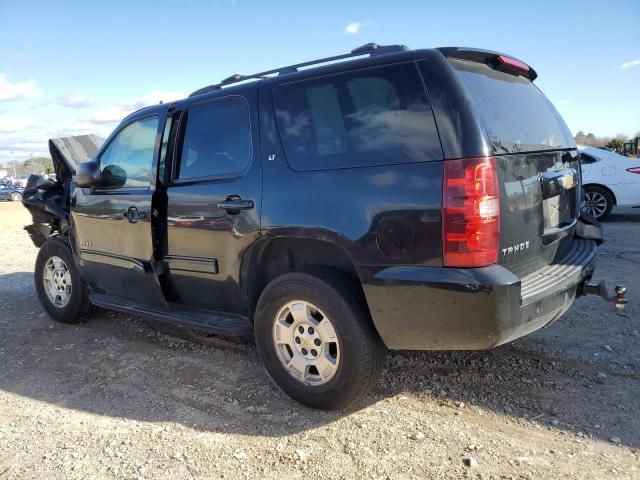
point(48, 201)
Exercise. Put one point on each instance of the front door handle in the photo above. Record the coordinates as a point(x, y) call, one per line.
point(133, 215)
point(235, 204)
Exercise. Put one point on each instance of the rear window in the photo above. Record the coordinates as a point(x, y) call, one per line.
point(516, 115)
point(376, 116)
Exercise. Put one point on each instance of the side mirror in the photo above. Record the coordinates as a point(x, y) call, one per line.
point(87, 174)
point(113, 176)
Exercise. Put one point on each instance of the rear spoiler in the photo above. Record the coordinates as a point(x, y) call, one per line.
point(496, 60)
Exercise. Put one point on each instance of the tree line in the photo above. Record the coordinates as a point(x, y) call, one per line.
point(37, 165)
point(591, 140)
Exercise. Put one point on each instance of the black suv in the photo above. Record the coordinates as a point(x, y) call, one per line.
point(403, 199)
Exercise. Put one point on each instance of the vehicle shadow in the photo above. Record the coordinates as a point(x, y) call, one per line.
point(125, 367)
point(631, 215)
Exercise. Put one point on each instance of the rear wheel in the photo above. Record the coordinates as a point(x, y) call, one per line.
point(16, 197)
point(61, 291)
point(316, 340)
point(598, 202)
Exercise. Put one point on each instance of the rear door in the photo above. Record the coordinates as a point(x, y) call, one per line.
point(213, 199)
point(537, 165)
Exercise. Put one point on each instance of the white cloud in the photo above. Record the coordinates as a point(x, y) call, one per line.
point(152, 98)
point(29, 134)
point(108, 115)
point(10, 125)
point(17, 91)
point(113, 115)
point(632, 63)
point(353, 28)
point(119, 111)
point(76, 100)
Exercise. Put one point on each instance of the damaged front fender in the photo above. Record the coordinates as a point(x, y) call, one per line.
point(48, 201)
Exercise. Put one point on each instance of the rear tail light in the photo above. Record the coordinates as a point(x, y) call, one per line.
point(470, 212)
point(634, 170)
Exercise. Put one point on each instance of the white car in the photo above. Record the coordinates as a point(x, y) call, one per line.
point(608, 180)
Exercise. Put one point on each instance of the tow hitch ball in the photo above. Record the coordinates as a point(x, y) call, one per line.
point(600, 289)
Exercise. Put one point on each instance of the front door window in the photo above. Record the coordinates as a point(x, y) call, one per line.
point(128, 160)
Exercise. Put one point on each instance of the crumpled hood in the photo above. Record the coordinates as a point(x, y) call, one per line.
point(68, 152)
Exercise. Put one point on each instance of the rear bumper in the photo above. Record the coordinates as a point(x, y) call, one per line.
point(429, 308)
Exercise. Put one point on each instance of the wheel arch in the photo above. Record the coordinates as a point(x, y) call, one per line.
point(270, 257)
point(604, 187)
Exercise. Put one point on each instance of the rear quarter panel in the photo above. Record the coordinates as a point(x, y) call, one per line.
point(350, 207)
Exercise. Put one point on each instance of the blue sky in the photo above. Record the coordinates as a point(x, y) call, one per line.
point(79, 67)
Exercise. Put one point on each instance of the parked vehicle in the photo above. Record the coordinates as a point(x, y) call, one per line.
point(610, 180)
point(20, 182)
point(11, 193)
point(398, 200)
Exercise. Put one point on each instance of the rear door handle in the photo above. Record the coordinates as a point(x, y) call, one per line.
point(234, 205)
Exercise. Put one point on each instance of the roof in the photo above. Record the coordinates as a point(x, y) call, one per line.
point(370, 49)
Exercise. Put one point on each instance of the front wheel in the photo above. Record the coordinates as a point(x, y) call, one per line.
point(598, 202)
point(61, 291)
point(316, 340)
point(16, 197)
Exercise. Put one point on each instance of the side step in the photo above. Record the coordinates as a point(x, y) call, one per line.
point(198, 319)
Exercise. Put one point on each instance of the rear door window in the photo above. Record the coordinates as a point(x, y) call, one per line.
point(217, 139)
point(376, 116)
point(516, 115)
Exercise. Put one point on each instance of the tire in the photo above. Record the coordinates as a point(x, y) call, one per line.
point(356, 357)
point(598, 202)
point(71, 304)
point(16, 197)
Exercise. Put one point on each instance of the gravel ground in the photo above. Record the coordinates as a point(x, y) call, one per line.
point(117, 398)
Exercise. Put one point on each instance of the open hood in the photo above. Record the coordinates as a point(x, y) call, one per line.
point(68, 152)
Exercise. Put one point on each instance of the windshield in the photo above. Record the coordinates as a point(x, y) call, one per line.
point(516, 115)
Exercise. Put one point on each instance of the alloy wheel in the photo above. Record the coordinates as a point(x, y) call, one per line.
point(57, 282)
point(595, 204)
point(306, 343)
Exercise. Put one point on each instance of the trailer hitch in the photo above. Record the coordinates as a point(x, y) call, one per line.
point(600, 289)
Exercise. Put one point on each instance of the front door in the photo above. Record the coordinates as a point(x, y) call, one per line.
point(112, 222)
point(213, 200)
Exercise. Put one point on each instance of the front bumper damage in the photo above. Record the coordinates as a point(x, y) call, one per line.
point(48, 200)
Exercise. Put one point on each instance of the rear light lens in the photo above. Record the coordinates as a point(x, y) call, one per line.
point(512, 62)
point(511, 65)
point(470, 212)
point(634, 170)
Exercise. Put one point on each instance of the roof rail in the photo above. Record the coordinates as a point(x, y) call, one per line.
point(371, 49)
